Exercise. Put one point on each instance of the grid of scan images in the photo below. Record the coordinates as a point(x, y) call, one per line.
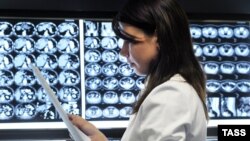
point(223, 50)
point(53, 46)
point(111, 86)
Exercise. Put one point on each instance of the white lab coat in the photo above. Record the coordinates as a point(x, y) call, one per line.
point(171, 112)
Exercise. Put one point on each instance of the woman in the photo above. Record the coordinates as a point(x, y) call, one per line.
point(157, 44)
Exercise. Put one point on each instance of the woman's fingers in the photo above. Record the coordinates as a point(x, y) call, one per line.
point(85, 126)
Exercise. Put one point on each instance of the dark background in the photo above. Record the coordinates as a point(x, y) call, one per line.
point(107, 8)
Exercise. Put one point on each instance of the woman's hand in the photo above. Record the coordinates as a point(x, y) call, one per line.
point(87, 128)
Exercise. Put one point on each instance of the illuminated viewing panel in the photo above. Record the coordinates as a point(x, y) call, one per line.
point(80, 59)
point(53, 46)
point(111, 86)
point(223, 50)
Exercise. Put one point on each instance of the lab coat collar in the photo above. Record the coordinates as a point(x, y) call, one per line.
point(177, 77)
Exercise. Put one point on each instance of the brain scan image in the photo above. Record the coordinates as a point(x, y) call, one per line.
point(243, 67)
point(46, 29)
point(226, 50)
point(25, 111)
point(6, 45)
point(109, 43)
point(92, 56)
point(92, 42)
point(213, 106)
point(209, 32)
point(210, 50)
point(91, 28)
point(110, 97)
point(24, 45)
point(241, 32)
point(69, 94)
point(24, 29)
point(243, 108)
point(24, 78)
point(109, 56)
point(228, 86)
point(46, 61)
point(6, 29)
point(68, 30)
point(93, 83)
point(225, 32)
point(242, 50)
point(127, 97)
point(6, 111)
point(213, 86)
point(93, 69)
point(46, 45)
point(211, 68)
point(22, 61)
point(227, 68)
point(106, 29)
point(69, 77)
point(67, 45)
point(6, 61)
point(42, 96)
point(93, 97)
point(243, 86)
point(110, 69)
point(25, 94)
point(197, 50)
point(68, 61)
point(195, 32)
point(110, 83)
point(126, 111)
point(6, 95)
point(93, 112)
point(111, 112)
point(6, 78)
point(228, 108)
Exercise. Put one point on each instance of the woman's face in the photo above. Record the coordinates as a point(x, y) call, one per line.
point(140, 53)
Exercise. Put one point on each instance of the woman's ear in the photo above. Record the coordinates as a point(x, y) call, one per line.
point(155, 40)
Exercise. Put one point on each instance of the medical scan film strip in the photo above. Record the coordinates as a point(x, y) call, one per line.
point(223, 50)
point(53, 46)
point(101, 76)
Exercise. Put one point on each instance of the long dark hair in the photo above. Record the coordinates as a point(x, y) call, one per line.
point(168, 20)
